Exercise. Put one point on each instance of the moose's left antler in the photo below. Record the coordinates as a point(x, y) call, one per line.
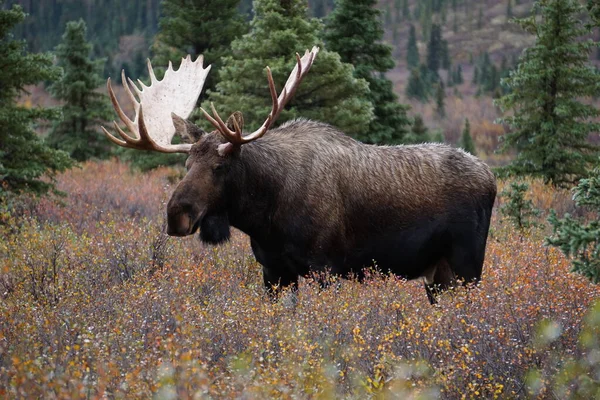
point(152, 128)
point(235, 136)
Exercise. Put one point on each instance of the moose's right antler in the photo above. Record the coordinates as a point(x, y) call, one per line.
point(235, 136)
point(152, 128)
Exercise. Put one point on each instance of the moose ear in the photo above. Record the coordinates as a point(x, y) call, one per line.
point(188, 132)
point(235, 119)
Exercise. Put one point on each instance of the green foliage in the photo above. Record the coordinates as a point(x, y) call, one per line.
point(419, 84)
point(412, 51)
point(550, 124)
point(78, 132)
point(418, 132)
point(354, 32)
point(577, 239)
point(438, 136)
point(576, 376)
point(519, 210)
point(458, 75)
point(329, 93)
point(593, 7)
point(440, 99)
point(107, 22)
point(24, 158)
point(197, 27)
point(435, 48)
point(488, 76)
point(466, 140)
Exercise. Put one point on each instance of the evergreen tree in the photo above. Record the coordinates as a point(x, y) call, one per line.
point(355, 33)
point(78, 132)
point(417, 88)
point(445, 56)
point(509, 11)
point(440, 100)
point(197, 27)
point(412, 51)
point(519, 210)
point(330, 92)
point(434, 50)
point(550, 125)
point(438, 137)
point(418, 133)
point(458, 77)
point(466, 140)
point(24, 157)
point(405, 10)
point(574, 237)
point(593, 7)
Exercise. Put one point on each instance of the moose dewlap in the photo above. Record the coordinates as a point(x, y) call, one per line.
point(310, 197)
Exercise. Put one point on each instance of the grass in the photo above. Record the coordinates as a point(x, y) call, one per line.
point(97, 302)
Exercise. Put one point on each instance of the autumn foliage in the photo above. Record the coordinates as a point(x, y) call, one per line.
point(96, 301)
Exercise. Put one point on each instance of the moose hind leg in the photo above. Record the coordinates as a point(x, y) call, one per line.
point(438, 279)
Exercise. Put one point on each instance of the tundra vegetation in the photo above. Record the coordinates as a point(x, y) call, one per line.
point(97, 301)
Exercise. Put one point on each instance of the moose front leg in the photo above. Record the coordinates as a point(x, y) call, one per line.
point(278, 273)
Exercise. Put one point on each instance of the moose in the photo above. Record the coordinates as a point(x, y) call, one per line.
point(310, 197)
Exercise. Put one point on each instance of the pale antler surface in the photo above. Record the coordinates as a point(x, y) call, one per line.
point(235, 136)
point(152, 128)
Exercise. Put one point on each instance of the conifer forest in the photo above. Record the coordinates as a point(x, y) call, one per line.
point(167, 255)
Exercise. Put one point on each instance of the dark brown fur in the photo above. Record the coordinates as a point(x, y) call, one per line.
point(312, 198)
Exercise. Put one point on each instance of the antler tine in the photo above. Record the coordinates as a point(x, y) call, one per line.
point(278, 102)
point(286, 94)
point(154, 134)
point(234, 137)
point(150, 71)
point(112, 138)
point(135, 102)
point(120, 113)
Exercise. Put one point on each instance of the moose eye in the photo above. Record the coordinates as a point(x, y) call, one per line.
point(218, 168)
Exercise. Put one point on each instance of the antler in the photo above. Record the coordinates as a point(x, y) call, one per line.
point(235, 136)
point(152, 128)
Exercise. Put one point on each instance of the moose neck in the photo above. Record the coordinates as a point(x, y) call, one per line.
point(253, 185)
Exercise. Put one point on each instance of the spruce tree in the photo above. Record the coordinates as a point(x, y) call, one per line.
point(354, 31)
point(593, 7)
point(466, 140)
point(417, 87)
point(576, 238)
point(440, 99)
point(197, 27)
point(418, 132)
point(458, 78)
point(78, 132)
point(446, 62)
point(412, 51)
point(405, 10)
point(434, 50)
point(438, 137)
point(24, 158)
point(329, 93)
point(549, 124)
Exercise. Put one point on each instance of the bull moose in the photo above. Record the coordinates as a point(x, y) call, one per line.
point(309, 196)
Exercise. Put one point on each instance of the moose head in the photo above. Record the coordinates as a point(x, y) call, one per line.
point(161, 110)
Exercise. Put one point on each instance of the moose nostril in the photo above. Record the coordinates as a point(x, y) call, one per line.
point(178, 224)
point(179, 221)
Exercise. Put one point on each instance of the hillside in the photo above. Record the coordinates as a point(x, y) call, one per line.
point(471, 29)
